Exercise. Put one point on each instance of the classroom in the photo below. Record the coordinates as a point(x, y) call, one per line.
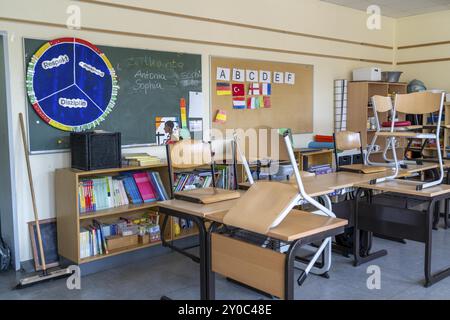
point(241, 150)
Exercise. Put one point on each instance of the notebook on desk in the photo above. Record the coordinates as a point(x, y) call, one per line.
point(361, 168)
point(206, 195)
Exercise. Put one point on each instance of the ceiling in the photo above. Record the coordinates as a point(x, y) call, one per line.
point(397, 8)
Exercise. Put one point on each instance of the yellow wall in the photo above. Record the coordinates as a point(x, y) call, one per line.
point(427, 28)
point(306, 16)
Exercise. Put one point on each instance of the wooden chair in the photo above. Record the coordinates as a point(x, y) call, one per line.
point(266, 204)
point(261, 151)
point(349, 140)
point(188, 154)
point(192, 154)
point(383, 105)
point(418, 103)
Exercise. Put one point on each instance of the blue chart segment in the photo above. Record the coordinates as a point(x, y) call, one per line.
point(71, 84)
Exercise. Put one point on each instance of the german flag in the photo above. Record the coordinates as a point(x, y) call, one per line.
point(223, 89)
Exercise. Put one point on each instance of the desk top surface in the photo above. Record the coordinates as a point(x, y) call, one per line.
point(198, 209)
point(407, 187)
point(297, 224)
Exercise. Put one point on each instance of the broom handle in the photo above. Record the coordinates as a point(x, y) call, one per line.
point(33, 197)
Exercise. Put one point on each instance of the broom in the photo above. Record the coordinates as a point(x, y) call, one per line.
point(45, 275)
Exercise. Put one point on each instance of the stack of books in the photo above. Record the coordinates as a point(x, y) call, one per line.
point(139, 160)
point(93, 238)
point(321, 169)
point(224, 177)
point(130, 187)
point(192, 180)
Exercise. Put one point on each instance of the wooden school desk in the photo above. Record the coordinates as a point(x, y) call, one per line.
point(239, 255)
point(195, 212)
point(396, 219)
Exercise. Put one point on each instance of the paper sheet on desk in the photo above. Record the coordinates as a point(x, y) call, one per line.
point(195, 104)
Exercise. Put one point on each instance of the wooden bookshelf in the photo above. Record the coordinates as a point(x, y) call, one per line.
point(359, 110)
point(69, 218)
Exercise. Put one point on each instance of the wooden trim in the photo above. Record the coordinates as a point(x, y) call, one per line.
point(231, 23)
point(202, 42)
point(423, 61)
point(420, 45)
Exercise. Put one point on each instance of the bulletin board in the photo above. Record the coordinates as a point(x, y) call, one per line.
point(291, 105)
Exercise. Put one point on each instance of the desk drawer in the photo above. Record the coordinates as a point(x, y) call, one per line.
point(252, 265)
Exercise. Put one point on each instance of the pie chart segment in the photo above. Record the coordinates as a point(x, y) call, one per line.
point(56, 63)
point(71, 107)
point(92, 75)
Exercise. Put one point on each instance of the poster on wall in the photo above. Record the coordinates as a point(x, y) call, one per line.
point(71, 84)
point(164, 131)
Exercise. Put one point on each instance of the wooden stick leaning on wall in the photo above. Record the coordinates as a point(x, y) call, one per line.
point(46, 275)
point(33, 196)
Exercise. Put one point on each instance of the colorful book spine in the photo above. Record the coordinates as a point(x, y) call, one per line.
point(145, 187)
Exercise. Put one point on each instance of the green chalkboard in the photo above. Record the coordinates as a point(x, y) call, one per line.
point(151, 85)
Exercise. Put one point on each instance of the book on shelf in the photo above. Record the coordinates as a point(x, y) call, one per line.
point(321, 169)
point(139, 159)
point(145, 187)
point(100, 193)
point(224, 178)
point(94, 237)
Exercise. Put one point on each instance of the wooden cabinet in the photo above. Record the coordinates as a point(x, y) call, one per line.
point(69, 219)
point(360, 110)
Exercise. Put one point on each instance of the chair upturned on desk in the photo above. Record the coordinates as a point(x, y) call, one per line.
point(252, 259)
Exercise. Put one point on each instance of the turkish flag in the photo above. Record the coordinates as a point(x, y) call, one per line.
point(238, 89)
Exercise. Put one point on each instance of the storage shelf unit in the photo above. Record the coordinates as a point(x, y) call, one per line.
point(359, 111)
point(69, 219)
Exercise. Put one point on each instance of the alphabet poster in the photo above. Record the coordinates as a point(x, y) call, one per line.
point(254, 93)
point(71, 84)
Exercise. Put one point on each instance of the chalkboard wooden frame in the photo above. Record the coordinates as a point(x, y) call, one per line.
point(34, 244)
point(136, 123)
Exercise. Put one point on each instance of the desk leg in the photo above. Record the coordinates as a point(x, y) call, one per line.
point(436, 214)
point(358, 258)
point(203, 258)
point(289, 271)
point(210, 275)
point(447, 209)
point(430, 278)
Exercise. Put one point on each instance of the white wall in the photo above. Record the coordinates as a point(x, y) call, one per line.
point(427, 28)
point(307, 16)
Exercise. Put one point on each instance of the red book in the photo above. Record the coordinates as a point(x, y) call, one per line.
point(145, 187)
point(322, 138)
point(396, 124)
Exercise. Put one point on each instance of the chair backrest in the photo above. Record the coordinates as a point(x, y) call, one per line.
point(222, 150)
point(260, 144)
point(418, 102)
point(347, 140)
point(382, 103)
point(186, 154)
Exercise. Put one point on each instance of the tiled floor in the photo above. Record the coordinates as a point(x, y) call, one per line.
point(177, 276)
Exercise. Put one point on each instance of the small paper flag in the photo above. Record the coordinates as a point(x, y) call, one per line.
point(221, 116)
point(223, 89)
point(260, 102)
point(251, 103)
point(266, 89)
point(239, 103)
point(238, 89)
point(253, 89)
point(267, 102)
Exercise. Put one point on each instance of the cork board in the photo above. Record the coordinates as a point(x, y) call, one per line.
point(291, 104)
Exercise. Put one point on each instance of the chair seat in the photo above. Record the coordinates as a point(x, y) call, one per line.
point(407, 134)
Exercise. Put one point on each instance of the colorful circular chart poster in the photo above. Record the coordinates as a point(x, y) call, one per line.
point(71, 84)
